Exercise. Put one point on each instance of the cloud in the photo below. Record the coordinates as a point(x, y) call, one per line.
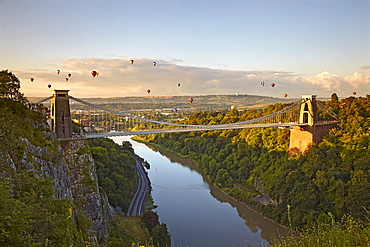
point(119, 78)
point(357, 79)
point(325, 80)
point(365, 67)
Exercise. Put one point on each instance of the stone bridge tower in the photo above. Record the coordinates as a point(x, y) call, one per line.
point(311, 130)
point(60, 116)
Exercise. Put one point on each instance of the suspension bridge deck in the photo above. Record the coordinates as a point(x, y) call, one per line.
point(179, 130)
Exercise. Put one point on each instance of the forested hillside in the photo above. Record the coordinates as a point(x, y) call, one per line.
point(51, 196)
point(115, 167)
point(30, 212)
point(332, 178)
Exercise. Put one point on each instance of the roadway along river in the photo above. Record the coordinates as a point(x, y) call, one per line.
point(196, 213)
point(137, 204)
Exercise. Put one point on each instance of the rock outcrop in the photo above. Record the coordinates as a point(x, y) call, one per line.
point(86, 193)
point(72, 170)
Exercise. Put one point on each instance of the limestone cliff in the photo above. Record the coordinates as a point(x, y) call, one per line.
point(73, 171)
point(29, 148)
point(85, 190)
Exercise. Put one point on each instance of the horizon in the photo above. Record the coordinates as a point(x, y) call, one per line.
point(204, 95)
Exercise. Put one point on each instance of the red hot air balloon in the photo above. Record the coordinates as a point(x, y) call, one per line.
point(66, 78)
point(272, 84)
point(190, 100)
point(32, 79)
point(354, 93)
point(94, 73)
point(285, 95)
point(148, 91)
point(132, 61)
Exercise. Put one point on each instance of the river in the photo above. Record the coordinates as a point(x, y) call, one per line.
point(196, 213)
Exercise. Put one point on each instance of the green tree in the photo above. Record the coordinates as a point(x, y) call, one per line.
point(9, 87)
point(333, 103)
point(161, 237)
point(115, 167)
point(358, 200)
point(15, 219)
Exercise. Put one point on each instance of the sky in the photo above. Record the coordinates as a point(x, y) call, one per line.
point(304, 47)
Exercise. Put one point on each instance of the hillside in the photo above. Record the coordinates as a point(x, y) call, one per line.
point(52, 191)
point(46, 185)
point(328, 182)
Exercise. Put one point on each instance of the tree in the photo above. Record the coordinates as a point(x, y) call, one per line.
point(15, 219)
point(9, 87)
point(358, 200)
point(160, 235)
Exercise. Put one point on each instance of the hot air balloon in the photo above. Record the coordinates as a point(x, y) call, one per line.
point(272, 84)
point(132, 61)
point(94, 73)
point(285, 95)
point(178, 84)
point(354, 93)
point(49, 86)
point(69, 75)
point(66, 78)
point(154, 63)
point(190, 100)
point(262, 83)
point(148, 91)
point(32, 79)
point(58, 71)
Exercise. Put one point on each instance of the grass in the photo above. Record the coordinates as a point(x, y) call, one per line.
point(344, 233)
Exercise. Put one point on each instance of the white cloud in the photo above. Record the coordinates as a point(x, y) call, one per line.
point(325, 80)
point(358, 79)
point(344, 85)
point(120, 78)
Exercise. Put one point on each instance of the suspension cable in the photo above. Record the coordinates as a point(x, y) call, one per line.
point(282, 111)
point(327, 110)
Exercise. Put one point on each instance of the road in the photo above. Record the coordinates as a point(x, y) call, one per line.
point(137, 205)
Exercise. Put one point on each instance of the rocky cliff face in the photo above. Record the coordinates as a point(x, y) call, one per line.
point(85, 190)
point(71, 166)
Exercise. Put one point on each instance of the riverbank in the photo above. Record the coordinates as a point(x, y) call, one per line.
point(195, 211)
point(192, 164)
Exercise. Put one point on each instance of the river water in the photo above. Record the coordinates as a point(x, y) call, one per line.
point(196, 213)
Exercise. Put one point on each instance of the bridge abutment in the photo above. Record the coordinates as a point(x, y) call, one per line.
point(311, 131)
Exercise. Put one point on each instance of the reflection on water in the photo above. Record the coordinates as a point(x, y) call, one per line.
point(195, 211)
